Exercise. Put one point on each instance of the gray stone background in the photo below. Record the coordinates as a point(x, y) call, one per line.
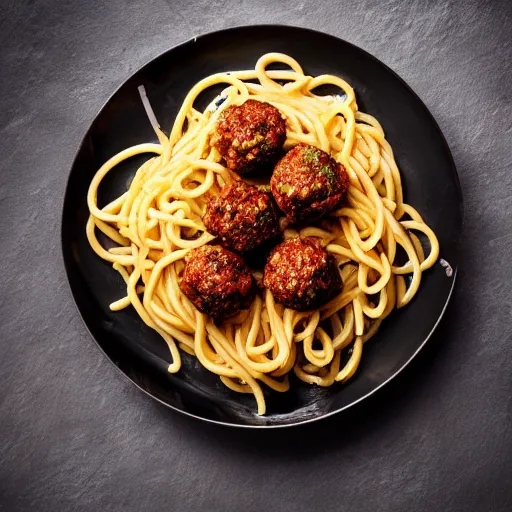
point(76, 435)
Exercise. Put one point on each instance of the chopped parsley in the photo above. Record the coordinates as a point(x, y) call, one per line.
point(331, 178)
point(264, 188)
point(311, 155)
point(249, 144)
point(284, 188)
point(266, 146)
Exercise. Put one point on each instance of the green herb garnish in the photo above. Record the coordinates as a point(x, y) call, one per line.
point(284, 188)
point(331, 178)
point(311, 155)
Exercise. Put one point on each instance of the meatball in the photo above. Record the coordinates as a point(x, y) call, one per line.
point(301, 274)
point(307, 183)
point(242, 216)
point(249, 135)
point(217, 281)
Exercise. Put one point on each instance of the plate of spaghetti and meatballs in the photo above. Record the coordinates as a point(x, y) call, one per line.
point(260, 233)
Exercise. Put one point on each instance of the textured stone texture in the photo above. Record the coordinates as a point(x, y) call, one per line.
point(76, 435)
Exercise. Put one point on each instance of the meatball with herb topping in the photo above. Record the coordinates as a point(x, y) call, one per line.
point(249, 135)
point(301, 275)
point(242, 216)
point(308, 183)
point(217, 281)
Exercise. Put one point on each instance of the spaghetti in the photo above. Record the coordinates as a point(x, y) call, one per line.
point(158, 221)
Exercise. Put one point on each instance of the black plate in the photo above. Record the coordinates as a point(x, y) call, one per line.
point(430, 184)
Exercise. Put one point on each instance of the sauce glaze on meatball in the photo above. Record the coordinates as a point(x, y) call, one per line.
point(308, 183)
point(301, 274)
point(217, 281)
point(249, 135)
point(242, 216)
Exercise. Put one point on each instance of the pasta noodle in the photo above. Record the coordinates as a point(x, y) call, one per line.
point(152, 227)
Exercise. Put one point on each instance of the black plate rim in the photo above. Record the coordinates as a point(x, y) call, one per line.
point(457, 242)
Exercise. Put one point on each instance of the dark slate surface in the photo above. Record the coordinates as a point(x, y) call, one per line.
point(76, 435)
